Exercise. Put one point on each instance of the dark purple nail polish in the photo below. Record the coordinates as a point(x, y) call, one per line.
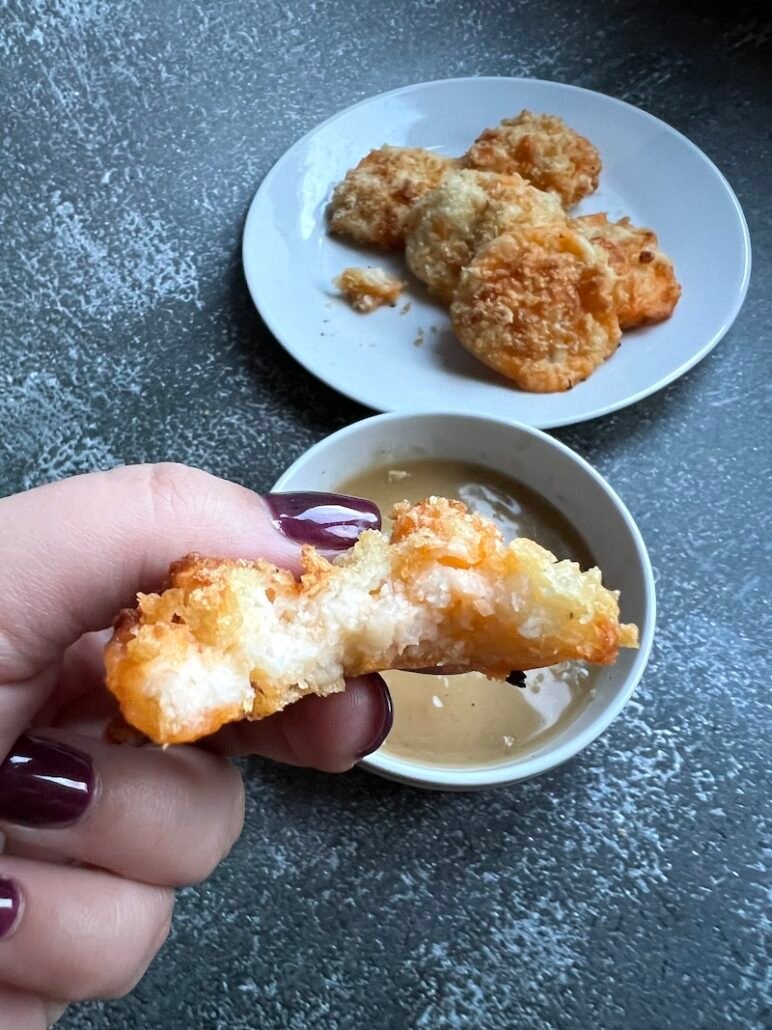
point(325, 520)
point(10, 905)
point(386, 720)
point(45, 783)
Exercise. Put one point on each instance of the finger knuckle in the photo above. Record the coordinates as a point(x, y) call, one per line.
point(213, 846)
point(171, 486)
point(156, 921)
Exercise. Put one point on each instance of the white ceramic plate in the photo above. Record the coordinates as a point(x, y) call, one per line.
point(566, 481)
point(392, 361)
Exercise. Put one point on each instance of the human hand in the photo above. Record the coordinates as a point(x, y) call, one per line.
point(98, 834)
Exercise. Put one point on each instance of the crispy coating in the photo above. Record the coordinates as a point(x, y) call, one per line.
point(648, 289)
point(544, 150)
point(368, 288)
point(447, 226)
point(371, 204)
point(538, 305)
point(241, 639)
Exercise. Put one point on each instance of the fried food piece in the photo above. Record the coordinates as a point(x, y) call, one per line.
point(368, 288)
point(544, 150)
point(242, 639)
point(648, 289)
point(447, 226)
point(372, 202)
point(538, 305)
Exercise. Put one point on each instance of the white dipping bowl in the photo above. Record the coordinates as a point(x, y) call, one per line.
point(567, 482)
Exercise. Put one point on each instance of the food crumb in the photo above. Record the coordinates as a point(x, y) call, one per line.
point(509, 741)
point(406, 307)
point(396, 474)
point(434, 329)
point(368, 288)
point(419, 339)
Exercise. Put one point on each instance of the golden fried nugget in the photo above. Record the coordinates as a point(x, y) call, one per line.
point(368, 288)
point(648, 289)
point(447, 226)
point(372, 202)
point(538, 305)
point(242, 639)
point(544, 150)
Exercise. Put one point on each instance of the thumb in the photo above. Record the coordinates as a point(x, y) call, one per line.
point(73, 553)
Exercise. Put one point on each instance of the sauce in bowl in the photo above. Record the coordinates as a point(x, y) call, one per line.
point(469, 720)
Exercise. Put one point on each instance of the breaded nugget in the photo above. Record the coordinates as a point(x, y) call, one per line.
point(372, 202)
point(538, 305)
point(368, 288)
point(648, 289)
point(241, 639)
point(544, 150)
point(447, 226)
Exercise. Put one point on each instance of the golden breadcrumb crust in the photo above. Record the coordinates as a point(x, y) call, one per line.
point(241, 639)
point(368, 288)
point(538, 305)
point(372, 203)
point(648, 288)
point(544, 150)
point(447, 226)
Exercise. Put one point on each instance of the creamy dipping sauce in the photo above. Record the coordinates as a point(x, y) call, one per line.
point(470, 720)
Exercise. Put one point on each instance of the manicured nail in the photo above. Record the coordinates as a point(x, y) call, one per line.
point(45, 783)
point(386, 719)
point(10, 905)
point(325, 520)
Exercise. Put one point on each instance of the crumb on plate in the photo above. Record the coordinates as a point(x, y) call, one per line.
point(368, 288)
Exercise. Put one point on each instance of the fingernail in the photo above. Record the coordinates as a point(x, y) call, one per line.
point(45, 783)
point(10, 906)
point(386, 718)
point(325, 520)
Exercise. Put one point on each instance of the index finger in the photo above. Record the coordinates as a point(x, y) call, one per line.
point(75, 552)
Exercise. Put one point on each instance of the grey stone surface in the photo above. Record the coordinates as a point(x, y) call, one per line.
point(627, 889)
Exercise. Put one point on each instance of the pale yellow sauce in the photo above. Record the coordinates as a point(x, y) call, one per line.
point(470, 720)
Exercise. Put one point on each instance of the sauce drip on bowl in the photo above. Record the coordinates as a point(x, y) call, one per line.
point(469, 720)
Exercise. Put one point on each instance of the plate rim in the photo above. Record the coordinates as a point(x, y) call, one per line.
point(250, 275)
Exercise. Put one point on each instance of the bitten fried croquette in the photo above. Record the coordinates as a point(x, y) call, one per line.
point(648, 289)
point(538, 305)
point(544, 150)
point(372, 202)
point(230, 640)
point(447, 226)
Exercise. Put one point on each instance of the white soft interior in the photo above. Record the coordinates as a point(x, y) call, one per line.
point(361, 612)
point(190, 691)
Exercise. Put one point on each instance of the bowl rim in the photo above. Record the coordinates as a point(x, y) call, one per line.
point(476, 777)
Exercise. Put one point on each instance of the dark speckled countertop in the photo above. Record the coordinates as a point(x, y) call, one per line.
point(626, 889)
